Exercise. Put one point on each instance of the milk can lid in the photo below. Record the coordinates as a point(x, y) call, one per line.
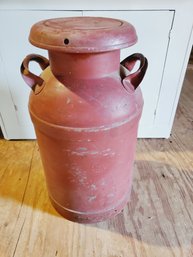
point(82, 34)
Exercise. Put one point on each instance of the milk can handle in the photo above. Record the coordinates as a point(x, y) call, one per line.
point(136, 77)
point(31, 79)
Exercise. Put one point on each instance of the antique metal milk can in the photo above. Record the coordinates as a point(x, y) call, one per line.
point(85, 108)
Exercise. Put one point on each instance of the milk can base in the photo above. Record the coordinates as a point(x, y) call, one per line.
point(94, 217)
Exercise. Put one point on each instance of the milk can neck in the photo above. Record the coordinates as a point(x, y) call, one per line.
point(84, 65)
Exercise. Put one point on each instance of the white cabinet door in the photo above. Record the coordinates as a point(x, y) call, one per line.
point(14, 46)
point(153, 30)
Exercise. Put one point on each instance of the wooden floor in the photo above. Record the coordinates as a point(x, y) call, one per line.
point(158, 221)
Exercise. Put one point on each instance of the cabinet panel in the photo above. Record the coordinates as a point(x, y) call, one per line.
point(153, 29)
point(14, 46)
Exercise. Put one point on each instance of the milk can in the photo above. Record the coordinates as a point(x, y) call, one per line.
point(85, 107)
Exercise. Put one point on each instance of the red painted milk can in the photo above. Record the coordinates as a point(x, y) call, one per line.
point(85, 108)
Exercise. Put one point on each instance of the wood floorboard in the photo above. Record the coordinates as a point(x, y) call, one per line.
point(157, 222)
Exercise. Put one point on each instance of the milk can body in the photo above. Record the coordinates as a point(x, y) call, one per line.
point(85, 108)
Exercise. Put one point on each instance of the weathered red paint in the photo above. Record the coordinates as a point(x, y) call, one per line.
point(85, 109)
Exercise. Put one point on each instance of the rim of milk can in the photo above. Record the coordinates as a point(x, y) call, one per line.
point(83, 34)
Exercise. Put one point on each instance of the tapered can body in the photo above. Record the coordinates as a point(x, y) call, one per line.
point(86, 108)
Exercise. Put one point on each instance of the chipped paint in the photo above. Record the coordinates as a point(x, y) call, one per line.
point(85, 151)
point(108, 154)
point(103, 183)
point(81, 149)
point(110, 195)
point(68, 101)
point(78, 175)
point(91, 198)
point(83, 180)
point(93, 186)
